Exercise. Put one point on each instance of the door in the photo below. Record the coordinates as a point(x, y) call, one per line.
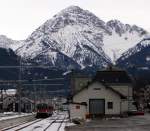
point(97, 107)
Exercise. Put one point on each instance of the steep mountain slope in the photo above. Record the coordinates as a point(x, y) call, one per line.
point(123, 37)
point(8, 58)
point(73, 33)
point(137, 62)
point(77, 38)
point(138, 56)
point(9, 43)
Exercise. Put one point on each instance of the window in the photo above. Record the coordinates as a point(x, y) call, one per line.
point(77, 107)
point(110, 105)
point(97, 88)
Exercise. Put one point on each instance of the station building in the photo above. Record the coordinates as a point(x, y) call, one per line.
point(109, 93)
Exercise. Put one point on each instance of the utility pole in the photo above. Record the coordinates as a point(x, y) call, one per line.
point(34, 97)
point(19, 87)
point(35, 92)
point(2, 99)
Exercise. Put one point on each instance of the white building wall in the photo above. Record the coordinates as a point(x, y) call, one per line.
point(77, 113)
point(124, 106)
point(92, 92)
point(8, 101)
point(127, 91)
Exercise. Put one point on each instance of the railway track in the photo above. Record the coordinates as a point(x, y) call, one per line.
point(23, 125)
point(30, 123)
point(50, 124)
point(56, 121)
point(61, 123)
point(15, 121)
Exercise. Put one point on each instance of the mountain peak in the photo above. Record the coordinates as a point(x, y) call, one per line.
point(79, 37)
point(72, 8)
point(121, 28)
point(73, 16)
point(114, 21)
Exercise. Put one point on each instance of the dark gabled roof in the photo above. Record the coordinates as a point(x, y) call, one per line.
point(121, 95)
point(76, 103)
point(79, 74)
point(9, 97)
point(105, 85)
point(113, 76)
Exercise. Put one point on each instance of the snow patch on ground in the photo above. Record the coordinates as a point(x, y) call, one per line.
point(10, 115)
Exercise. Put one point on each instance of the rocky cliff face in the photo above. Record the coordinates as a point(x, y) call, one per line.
point(6, 43)
point(138, 56)
point(76, 38)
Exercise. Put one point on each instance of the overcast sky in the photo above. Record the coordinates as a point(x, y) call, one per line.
point(19, 18)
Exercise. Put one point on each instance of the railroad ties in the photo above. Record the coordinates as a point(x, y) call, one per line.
point(53, 123)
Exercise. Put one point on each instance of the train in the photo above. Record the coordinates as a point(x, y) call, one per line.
point(44, 110)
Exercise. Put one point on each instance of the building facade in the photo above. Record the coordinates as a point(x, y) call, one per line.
point(97, 100)
point(108, 94)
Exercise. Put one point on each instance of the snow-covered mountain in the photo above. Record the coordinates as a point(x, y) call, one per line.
point(138, 56)
point(76, 38)
point(9, 43)
point(82, 38)
point(123, 37)
point(72, 34)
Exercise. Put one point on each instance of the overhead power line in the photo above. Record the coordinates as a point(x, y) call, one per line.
point(44, 84)
point(15, 81)
point(25, 66)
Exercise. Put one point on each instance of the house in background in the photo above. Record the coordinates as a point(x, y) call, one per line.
point(108, 94)
point(9, 102)
point(7, 97)
point(26, 105)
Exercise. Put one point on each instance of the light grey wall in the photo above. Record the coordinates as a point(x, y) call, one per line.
point(103, 93)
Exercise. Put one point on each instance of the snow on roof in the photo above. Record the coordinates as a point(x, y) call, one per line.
point(9, 92)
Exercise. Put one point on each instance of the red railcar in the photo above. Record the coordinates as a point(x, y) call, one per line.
point(44, 110)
